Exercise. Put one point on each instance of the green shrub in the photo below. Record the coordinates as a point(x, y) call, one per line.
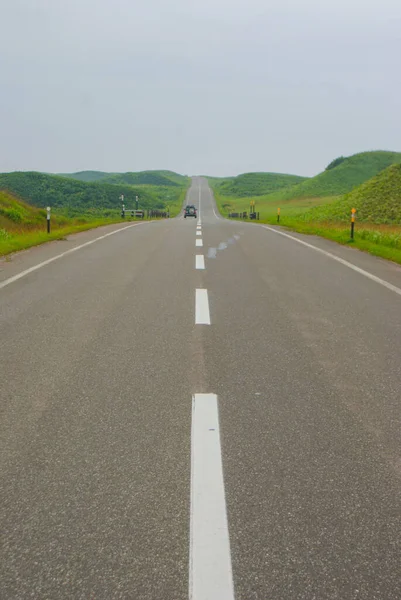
point(12, 214)
point(5, 235)
point(334, 163)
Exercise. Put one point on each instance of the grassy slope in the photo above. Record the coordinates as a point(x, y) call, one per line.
point(140, 179)
point(353, 171)
point(23, 225)
point(181, 179)
point(158, 178)
point(378, 204)
point(15, 214)
point(87, 176)
point(268, 207)
point(76, 206)
point(375, 199)
point(378, 200)
point(41, 190)
point(254, 184)
point(379, 240)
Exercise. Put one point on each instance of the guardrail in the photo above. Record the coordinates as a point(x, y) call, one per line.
point(159, 213)
point(243, 215)
point(139, 214)
point(149, 213)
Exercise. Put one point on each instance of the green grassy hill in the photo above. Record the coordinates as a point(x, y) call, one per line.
point(144, 178)
point(342, 177)
point(176, 177)
point(158, 178)
point(23, 225)
point(87, 176)
point(15, 214)
point(254, 184)
point(41, 190)
point(378, 200)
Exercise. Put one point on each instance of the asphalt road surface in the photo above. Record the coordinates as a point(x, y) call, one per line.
point(223, 427)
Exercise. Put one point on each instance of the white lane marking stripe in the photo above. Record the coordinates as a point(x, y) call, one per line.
point(389, 286)
point(202, 314)
point(50, 260)
point(199, 227)
point(200, 261)
point(210, 571)
point(198, 233)
point(199, 243)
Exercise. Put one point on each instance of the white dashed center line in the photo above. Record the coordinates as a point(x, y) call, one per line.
point(198, 233)
point(202, 314)
point(199, 243)
point(210, 571)
point(200, 261)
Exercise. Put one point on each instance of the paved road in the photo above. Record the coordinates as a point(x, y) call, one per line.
point(146, 454)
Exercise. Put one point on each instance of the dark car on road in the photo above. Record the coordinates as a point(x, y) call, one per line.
point(190, 211)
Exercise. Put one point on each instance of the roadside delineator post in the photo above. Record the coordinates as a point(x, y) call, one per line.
point(278, 215)
point(48, 219)
point(353, 211)
point(252, 210)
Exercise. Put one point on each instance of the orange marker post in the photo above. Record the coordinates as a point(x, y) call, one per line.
point(353, 211)
point(278, 215)
point(252, 213)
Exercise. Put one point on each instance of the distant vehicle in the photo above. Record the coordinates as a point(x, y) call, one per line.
point(190, 211)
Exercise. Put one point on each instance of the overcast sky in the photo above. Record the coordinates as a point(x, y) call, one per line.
point(213, 87)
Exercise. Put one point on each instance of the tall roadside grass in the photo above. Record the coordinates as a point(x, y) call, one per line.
point(30, 230)
point(380, 240)
point(23, 239)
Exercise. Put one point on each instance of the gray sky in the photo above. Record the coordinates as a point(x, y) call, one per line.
point(213, 87)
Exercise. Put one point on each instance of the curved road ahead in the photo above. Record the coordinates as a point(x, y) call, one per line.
point(172, 432)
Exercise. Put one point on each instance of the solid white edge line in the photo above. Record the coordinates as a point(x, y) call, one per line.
point(199, 243)
point(342, 261)
point(199, 261)
point(210, 569)
point(202, 313)
point(70, 251)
